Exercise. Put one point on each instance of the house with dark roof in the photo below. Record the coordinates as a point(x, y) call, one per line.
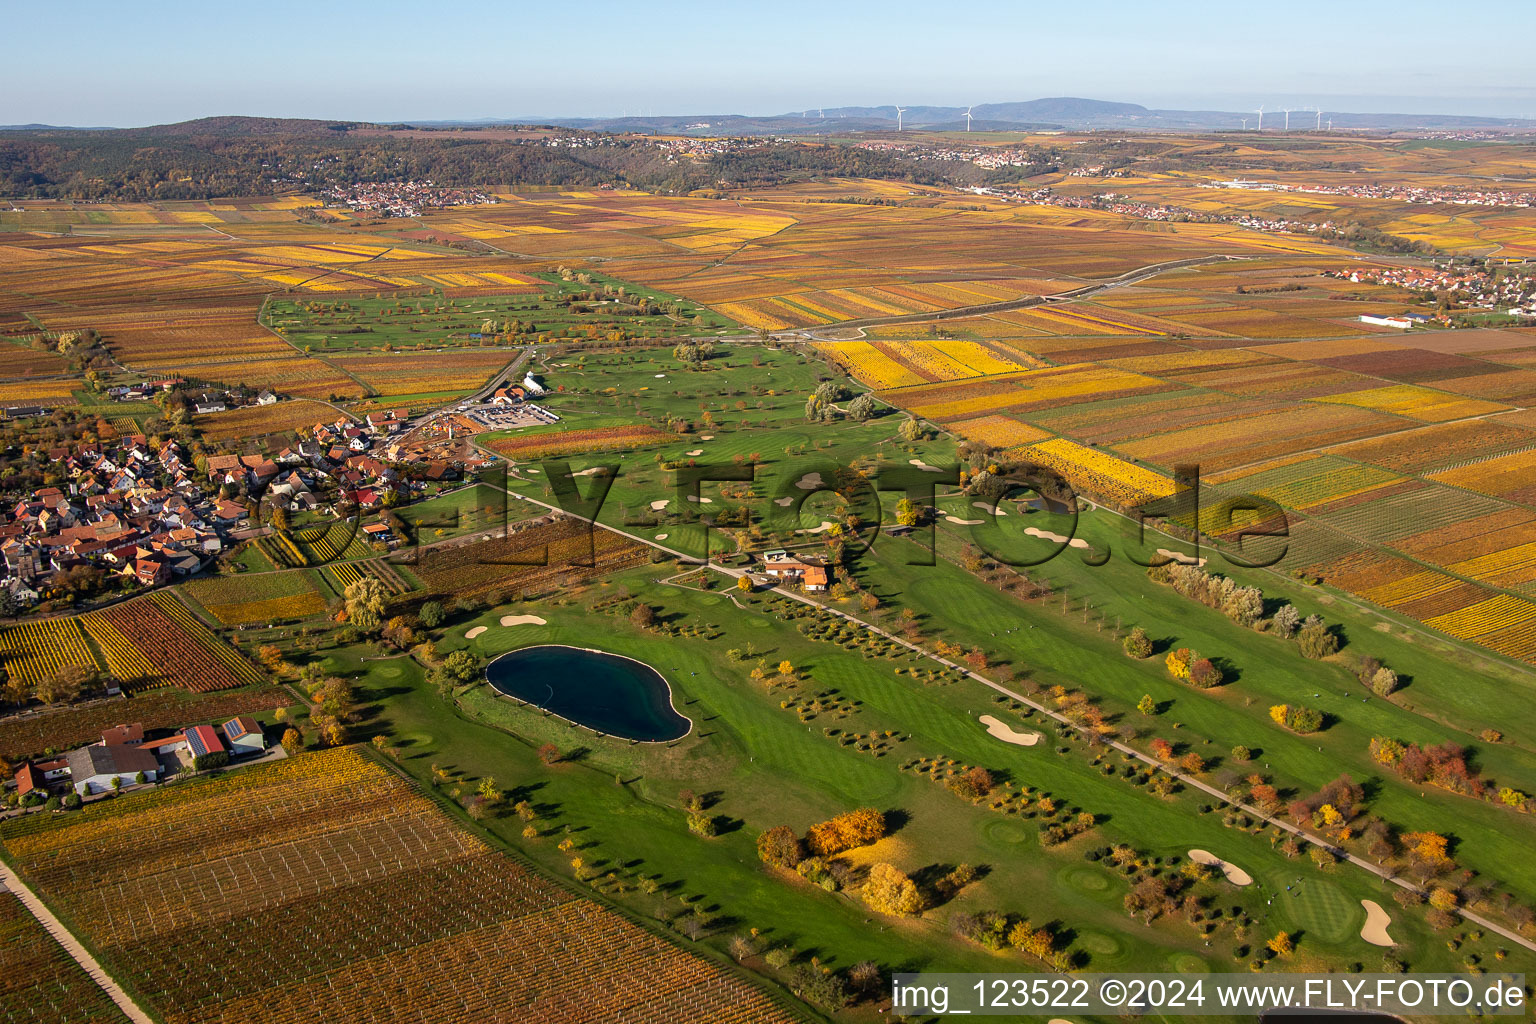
point(92, 769)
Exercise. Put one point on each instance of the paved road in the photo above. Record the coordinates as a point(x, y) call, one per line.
point(1211, 791)
point(72, 946)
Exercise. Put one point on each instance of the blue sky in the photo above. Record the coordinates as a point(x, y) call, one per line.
point(94, 63)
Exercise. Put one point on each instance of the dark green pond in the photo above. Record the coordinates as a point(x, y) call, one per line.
point(604, 692)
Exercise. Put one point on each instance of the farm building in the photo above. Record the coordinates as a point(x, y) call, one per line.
point(36, 775)
point(1402, 323)
point(203, 740)
point(119, 734)
point(782, 566)
point(244, 735)
point(92, 769)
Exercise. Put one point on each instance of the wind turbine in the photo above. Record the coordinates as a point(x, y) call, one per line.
point(1330, 124)
point(1245, 123)
point(967, 118)
point(899, 112)
point(1287, 118)
point(1261, 119)
point(1320, 119)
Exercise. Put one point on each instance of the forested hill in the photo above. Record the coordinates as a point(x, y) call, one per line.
point(255, 156)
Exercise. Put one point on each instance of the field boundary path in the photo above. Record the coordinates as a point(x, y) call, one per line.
point(1061, 720)
point(1130, 277)
point(64, 937)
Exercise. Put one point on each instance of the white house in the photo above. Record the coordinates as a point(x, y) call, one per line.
point(92, 769)
point(1402, 323)
point(244, 736)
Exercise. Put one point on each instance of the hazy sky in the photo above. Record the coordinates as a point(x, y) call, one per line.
point(87, 62)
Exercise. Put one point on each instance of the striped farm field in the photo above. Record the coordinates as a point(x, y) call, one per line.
point(999, 431)
point(125, 660)
point(223, 923)
point(1416, 402)
point(1313, 481)
point(326, 542)
point(1113, 479)
point(1498, 621)
point(953, 360)
point(257, 420)
point(1510, 476)
point(35, 650)
point(40, 392)
point(1508, 568)
point(40, 983)
point(1442, 446)
point(1029, 389)
point(340, 575)
point(182, 650)
point(257, 597)
point(868, 364)
point(579, 442)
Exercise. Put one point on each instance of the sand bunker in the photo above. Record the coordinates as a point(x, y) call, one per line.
point(1178, 556)
point(784, 502)
point(706, 437)
point(701, 501)
point(1075, 542)
point(661, 536)
point(696, 451)
point(920, 464)
point(1376, 921)
point(823, 528)
point(1235, 874)
point(809, 482)
point(587, 472)
point(1007, 735)
point(475, 632)
point(523, 620)
point(963, 522)
point(991, 510)
point(660, 503)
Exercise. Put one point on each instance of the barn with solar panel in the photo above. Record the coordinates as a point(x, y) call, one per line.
point(244, 736)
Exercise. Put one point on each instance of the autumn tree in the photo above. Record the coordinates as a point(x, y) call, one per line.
point(1146, 705)
point(1427, 848)
point(1281, 944)
point(1036, 942)
point(1178, 662)
point(973, 784)
point(365, 602)
point(1138, 644)
point(1316, 640)
point(431, 614)
point(643, 616)
point(888, 890)
point(846, 831)
point(1204, 674)
point(779, 847)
